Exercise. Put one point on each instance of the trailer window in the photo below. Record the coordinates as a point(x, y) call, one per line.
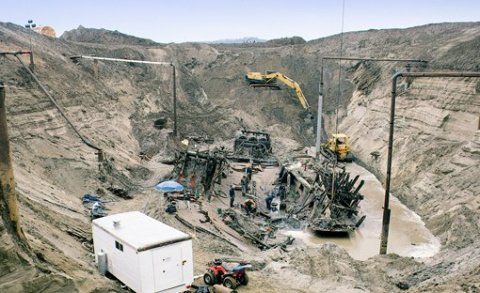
point(118, 245)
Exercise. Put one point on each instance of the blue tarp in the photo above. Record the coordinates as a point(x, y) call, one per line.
point(87, 198)
point(97, 210)
point(169, 186)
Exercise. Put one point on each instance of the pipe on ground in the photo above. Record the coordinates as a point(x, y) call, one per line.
point(54, 102)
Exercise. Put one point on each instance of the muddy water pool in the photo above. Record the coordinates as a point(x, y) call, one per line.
point(408, 235)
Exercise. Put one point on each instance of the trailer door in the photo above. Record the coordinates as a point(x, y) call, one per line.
point(168, 269)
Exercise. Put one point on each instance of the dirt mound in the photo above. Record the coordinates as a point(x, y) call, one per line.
point(461, 56)
point(326, 262)
point(103, 36)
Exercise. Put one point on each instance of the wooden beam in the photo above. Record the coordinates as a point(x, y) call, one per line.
point(7, 181)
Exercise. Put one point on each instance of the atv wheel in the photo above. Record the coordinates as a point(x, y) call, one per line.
point(209, 278)
point(230, 282)
point(243, 280)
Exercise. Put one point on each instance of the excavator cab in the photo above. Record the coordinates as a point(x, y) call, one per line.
point(258, 79)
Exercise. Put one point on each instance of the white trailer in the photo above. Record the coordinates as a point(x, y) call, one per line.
point(143, 253)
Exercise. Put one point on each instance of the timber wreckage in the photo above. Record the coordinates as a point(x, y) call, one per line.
point(317, 193)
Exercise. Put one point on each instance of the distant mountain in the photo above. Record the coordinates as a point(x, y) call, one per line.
point(295, 40)
point(238, 41)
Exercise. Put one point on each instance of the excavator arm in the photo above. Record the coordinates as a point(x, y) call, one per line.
point(292, 84)
point(258, 78)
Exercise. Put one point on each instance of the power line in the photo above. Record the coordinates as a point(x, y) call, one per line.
point(338, 102)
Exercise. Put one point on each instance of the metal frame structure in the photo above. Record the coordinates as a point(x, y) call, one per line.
point(30, 26)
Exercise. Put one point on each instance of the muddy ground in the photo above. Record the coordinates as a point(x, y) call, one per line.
point(115, 105)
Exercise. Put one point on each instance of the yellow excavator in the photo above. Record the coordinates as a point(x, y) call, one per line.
point(339, 145)
point(269, 79)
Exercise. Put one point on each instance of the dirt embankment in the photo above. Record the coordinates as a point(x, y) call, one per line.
point(436, 152)
point(115, 105)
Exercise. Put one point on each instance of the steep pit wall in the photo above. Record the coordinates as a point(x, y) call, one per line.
point(436, 159)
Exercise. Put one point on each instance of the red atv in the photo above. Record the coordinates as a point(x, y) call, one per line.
point(219, 273)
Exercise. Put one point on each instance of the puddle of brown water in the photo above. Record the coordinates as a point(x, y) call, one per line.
point(408, 235)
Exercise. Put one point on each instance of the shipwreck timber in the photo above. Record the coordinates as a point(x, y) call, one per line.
point(338, 211)
point(200, 170)
point(311, 194)
point(253, 146)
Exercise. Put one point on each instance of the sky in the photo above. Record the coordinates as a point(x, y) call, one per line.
point(167, 21)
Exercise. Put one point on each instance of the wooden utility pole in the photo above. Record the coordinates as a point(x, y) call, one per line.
point(8, 195)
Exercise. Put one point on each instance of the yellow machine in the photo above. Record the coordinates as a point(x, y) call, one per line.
point(258, 79)
point(338, 144)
